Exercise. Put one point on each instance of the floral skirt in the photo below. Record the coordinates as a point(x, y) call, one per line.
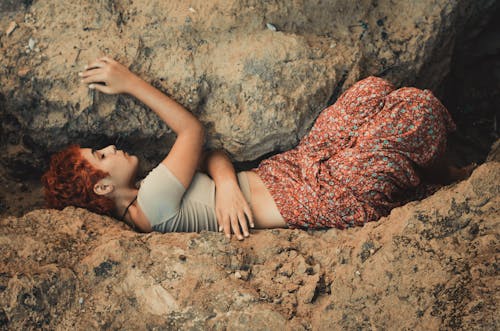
point(358, 160)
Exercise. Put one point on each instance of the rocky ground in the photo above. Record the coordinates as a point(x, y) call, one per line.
point(429, 265)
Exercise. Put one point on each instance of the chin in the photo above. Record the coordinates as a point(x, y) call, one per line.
point(134, 167)
point(134, 159)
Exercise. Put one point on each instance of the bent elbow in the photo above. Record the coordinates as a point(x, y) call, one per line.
point(201, 132)
point(195, 133)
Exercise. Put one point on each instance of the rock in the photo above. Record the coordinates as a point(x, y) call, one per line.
point(256, 90)
point(31, 43)
point(11, 28)
point(271, 27)
point(494, 154)
point(433, 267)
point(22, 72)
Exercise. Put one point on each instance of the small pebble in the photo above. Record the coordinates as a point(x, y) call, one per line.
point(358, 273)
point(80, 301)
point(245, 275)
point(21, 73)
point(271, 27)
point(237, 275)
point(31, 43)
point(192, 10)
point(11, 28)
point(372, 251)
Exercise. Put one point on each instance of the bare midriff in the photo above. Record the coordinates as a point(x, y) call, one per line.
point(265, 212)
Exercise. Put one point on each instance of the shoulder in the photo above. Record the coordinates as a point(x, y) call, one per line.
point(159, 175)
point(159, 197)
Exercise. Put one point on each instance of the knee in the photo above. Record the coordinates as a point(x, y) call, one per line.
point(378, 82)
point(410, 92)
point(371, 85)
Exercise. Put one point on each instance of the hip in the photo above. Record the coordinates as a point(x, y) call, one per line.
point(264, 209)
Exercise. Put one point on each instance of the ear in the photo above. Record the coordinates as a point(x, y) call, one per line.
point(103, 187)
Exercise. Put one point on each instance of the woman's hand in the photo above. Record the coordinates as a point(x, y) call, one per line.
point(108, 76)
point(231, 208)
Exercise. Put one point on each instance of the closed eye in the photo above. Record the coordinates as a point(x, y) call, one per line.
point(94, 152)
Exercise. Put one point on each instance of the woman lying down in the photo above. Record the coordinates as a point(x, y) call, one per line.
point(362, 157)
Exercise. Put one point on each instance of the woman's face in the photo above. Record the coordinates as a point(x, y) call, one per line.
point(122, 168)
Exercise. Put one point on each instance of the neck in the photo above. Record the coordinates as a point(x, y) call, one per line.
point(123, 198)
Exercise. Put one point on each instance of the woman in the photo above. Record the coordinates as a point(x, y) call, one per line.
point(362, 157)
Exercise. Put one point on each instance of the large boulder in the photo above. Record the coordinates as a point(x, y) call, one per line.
point(430, 264)
point(256, 74)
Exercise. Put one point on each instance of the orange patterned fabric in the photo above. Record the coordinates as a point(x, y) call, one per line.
point(357, 161)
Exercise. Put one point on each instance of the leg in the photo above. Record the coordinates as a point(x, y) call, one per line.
point(365, 184)
point(336, 123)
point(292, 176)
point(413, 122)
point(378, 172)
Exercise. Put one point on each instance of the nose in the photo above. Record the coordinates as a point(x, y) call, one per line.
point(112, 147)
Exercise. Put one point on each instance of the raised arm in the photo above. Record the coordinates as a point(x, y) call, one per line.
point(109, 76)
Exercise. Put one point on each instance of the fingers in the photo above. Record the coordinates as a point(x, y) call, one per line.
point(95, 79)
point(227, 226)
point(243, 223)
point(235, 220)
point(101, 88)
point(236, 227)
point(100, 77)
point(219, 220)
point(98, 63)
point(90, 72)
point(249, 214)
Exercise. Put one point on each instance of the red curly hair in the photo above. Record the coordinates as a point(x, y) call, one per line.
point(70, 181)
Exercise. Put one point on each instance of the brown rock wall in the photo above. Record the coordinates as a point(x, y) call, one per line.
point(256, 73)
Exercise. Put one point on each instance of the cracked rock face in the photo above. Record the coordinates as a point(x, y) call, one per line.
point(257, 74)
point(430, 264)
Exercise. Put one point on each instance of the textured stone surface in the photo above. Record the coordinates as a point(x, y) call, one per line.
point(255, 89)
point(430, 264)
